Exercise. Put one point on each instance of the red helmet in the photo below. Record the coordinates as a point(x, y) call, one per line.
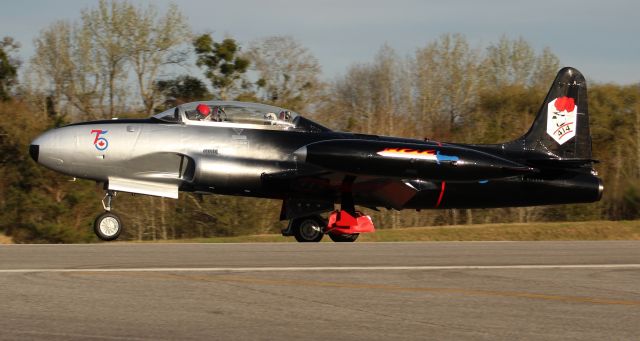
point(203, 109)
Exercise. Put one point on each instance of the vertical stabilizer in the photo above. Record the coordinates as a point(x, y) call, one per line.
point(561, 128)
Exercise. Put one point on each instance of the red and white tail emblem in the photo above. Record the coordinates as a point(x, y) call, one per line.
point(562, 119)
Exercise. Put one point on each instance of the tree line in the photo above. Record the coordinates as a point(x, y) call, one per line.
point(122, 60)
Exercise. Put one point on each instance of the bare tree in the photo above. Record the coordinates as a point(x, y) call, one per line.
point(508, 62)
point(86, 65)
point(65, 64)
point(84, 88)
point(108, 25)
point(52, 60)
point(514, 62)
point(372, 97)
point(288, 72)
point(547, 64)
point(446, 83)
point(151, 45)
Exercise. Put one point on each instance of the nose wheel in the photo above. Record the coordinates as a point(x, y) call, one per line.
point(107, 226)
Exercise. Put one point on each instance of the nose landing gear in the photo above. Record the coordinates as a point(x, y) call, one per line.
point(107, 226)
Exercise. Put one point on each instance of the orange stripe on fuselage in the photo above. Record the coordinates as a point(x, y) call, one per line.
point(408, 153)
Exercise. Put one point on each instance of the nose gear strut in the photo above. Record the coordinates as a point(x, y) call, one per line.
point(108, 198)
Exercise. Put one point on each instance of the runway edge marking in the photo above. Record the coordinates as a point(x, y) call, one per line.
point(335, 268)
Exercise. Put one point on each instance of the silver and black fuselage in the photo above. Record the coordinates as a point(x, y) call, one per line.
point(297, 160)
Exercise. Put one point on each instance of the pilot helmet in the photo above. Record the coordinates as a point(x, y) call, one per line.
point(203, 109)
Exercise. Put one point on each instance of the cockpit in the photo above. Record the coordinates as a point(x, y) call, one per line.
point(238, 114)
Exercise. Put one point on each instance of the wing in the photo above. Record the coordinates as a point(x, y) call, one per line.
point(313, 191)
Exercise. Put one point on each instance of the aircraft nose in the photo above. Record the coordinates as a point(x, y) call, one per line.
point(40, 144)
point(48, 149)
point(34, 151)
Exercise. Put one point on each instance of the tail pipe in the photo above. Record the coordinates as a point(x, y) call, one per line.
point(600, 189)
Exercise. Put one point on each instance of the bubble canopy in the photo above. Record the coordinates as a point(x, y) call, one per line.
point(238, 114)
point(229, 112)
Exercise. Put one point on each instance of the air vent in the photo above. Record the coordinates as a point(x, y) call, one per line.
point(210, 151)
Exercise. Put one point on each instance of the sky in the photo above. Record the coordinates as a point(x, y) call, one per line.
point(600, 38)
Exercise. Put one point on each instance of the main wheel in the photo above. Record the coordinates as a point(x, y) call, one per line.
point(343, 238)
point(107, 226)
point(308, 229)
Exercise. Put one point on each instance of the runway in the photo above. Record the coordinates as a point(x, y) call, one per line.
point(360, 291)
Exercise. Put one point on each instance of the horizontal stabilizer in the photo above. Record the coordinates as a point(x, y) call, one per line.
point(562, 163)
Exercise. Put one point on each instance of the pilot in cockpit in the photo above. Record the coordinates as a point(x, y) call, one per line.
point(201, 113)
point(285, 116)
point(270, 118)
point(218, 115)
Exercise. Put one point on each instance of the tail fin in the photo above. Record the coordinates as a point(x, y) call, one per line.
point(561, 128)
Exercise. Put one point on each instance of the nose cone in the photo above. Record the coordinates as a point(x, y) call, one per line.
point(34, 151)
point(43, 142)
point(49, 150)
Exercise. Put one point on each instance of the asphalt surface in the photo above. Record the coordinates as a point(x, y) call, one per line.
point(361, 291)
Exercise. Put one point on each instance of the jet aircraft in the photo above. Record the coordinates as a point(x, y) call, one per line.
point(257, 150)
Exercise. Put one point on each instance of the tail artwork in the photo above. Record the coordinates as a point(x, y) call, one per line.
point(560, 132)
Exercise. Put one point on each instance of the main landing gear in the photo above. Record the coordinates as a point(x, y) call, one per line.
point(343, 225)
point(308, 229)
point(107, 226)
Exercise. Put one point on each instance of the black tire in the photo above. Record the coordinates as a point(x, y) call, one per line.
point(343, 238)
point(107, 226)
point(308, 229)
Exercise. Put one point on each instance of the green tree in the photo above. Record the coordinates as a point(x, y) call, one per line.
point(182, 89)
point(36, 204)
point(8, 67)
point(224, 66)
point(614, 112)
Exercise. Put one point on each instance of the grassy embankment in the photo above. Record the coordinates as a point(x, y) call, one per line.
point(5, 240)
point(589, 230)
